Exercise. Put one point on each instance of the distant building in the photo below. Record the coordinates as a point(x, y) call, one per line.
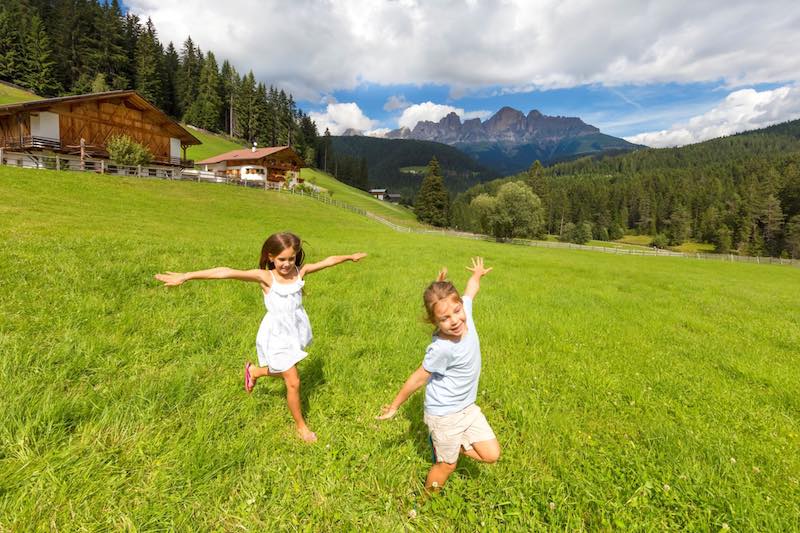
point(393, 197)
point(82, 124)
point(276, 166)
point(380, 194)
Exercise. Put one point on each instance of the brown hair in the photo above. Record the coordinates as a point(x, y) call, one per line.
point(275, 244)
point(439, 290)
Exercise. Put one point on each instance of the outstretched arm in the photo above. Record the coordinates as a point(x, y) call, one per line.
point(474, 282)
point(415, 381)
point(331, 261)
point(172, 279)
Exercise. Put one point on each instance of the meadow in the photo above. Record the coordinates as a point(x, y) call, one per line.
point(627, 392)
point(13, 95)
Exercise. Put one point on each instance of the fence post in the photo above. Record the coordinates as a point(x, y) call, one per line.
point(139, 170)
point(2, 160)
point(102, 166)
point(58, 163)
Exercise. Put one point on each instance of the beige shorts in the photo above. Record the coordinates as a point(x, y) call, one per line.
point(450, 432)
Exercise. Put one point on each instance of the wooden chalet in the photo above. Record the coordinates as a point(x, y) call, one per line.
point(82, 125)
point(276, 166)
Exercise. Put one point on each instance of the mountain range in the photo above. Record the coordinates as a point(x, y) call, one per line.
point(510, 141)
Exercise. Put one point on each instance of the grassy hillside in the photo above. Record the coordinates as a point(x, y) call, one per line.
point(12, 95)
point(212, 145)
point(645, 393)
point(357, 198)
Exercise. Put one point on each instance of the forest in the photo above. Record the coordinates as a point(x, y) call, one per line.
point(740, 193)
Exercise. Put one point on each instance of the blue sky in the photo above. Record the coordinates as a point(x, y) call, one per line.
point(619, 111)
point(658, 73)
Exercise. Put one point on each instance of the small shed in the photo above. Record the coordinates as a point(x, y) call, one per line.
point(67, 123)
point(380, 194)
point(275, 166)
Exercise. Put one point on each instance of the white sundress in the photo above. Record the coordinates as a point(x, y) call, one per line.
point(285, 331)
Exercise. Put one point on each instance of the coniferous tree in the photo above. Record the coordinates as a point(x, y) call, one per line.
point(245, 108)
point(171, 68)
point(11, 47)
point(108, 53)
point(131, 33)
point(229, 85)
point(432, 204)
point(187, 76)
point(150, 66)
point(206, 111)
point(38, 68)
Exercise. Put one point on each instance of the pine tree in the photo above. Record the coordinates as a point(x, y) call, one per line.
point(108, 55)
point(432, 205)
point(245, 108)
point(149, 66)
point(11, 45)
point(188, 74)
point(205, 112)
point(229, 85)
point(171, 68)
point(38, 68)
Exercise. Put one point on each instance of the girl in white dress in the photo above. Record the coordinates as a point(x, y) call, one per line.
point(285, 331)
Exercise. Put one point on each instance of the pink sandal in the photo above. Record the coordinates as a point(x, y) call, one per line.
point(248, 379)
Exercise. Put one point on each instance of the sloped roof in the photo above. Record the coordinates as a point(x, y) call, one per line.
point(132, 98)
point(246, 153)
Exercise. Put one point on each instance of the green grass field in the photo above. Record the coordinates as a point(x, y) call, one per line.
point(633, 393)
point(12, 95)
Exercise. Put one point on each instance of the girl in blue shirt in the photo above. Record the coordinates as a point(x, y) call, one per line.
point(450, 372)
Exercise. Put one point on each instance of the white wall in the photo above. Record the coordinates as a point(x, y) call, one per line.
point(174, 147)
point(45, 124)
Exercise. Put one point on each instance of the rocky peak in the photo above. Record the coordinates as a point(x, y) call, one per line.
point(508, 126)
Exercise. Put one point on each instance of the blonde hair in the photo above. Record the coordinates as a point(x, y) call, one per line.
point(439, 290)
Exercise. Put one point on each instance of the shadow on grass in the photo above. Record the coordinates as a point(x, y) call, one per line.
point(312, 376)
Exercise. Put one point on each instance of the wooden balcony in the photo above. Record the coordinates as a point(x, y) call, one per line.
point(30, 143)
point(45, 143)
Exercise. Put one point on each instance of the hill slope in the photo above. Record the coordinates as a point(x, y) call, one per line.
point(123, 400)
point(10, 94)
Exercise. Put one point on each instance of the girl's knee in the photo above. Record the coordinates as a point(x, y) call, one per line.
point(491, 456)
point(292, 381)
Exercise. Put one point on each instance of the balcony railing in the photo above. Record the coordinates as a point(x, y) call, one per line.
point(46, 143)
point(30, 142)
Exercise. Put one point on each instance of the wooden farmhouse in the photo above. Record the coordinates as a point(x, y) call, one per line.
point(275, 167)
point(82, 124)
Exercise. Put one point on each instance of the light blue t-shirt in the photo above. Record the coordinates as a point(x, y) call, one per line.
point(455, 368)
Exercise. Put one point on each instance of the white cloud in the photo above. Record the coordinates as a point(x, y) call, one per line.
point(393, 103)
point(426, 111)
point(340, 117)
point(742, 110)
point(435, 112)
point(378, 132)
point(311, 48)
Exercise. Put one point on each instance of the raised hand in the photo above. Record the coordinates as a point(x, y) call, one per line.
point(442, 274)
point(477, 268)
point(171, 279)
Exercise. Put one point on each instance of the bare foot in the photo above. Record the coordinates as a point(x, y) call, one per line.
point(307, 435)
